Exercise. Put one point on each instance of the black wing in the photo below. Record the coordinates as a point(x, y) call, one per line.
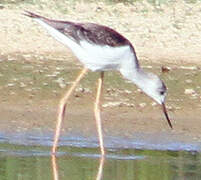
point(93, 33)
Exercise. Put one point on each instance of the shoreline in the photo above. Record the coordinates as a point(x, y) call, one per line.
point(36, 70)
point(35, 126)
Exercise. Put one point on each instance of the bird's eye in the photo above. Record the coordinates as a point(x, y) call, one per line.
point(162, 92)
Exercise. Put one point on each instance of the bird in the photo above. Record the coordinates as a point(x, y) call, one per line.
point(100, 48)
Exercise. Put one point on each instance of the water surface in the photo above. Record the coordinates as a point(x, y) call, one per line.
point(26, 162)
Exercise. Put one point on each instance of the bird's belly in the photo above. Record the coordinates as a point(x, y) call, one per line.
point(100, 67)
point(96, 63)
point(100, 57)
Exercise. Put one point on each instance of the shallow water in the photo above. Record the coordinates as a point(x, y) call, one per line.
point(26, 162)
point(28, 92)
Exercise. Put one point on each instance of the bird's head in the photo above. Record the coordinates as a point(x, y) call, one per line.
point(154, 87)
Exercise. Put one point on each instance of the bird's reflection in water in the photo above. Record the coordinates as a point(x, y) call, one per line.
point(100, 168)
point(55, 169)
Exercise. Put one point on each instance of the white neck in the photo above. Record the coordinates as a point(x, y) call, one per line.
point(131, 69)
point(147, 82)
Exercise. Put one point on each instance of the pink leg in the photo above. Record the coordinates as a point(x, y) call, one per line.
point(97, 113)
point(100, 169)
point(55, 168)
point(62, 107)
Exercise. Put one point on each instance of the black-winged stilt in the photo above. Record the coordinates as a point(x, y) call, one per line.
point(100, 48)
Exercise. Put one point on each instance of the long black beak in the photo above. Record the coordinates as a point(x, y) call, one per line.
point(166, 115)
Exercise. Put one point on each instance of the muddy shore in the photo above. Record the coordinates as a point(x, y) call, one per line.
point(30, 93)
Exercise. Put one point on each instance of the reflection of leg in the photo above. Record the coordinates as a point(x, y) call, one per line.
point(100, 169)
point(62, 107)
point(97, 113)
point(55, 168)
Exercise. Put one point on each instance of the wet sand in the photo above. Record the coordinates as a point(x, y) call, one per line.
point(123, 127)
point(31, 91)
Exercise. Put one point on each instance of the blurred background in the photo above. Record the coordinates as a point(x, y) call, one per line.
point(35, 70)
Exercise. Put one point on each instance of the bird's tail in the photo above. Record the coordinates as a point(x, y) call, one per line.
point(32, 15)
